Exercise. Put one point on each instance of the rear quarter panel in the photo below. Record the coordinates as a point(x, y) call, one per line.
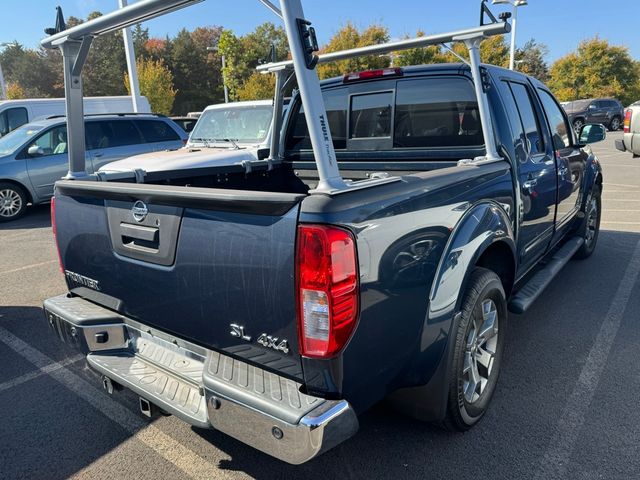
point(402, 230)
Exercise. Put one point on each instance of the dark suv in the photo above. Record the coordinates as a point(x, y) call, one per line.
point(606, 111)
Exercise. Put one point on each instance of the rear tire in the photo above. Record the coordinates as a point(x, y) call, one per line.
point(13, 202)
point(614, 125)
point(478, 348)
point(590, 228)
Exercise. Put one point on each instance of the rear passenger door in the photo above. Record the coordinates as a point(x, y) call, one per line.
point(536, 172)
point(111, 140)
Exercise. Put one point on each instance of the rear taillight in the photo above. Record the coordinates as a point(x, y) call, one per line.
point(55, 230)
point(327, 289)
point(370, 74)
point(627, 121)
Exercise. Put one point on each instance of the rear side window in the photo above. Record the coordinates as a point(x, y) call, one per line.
point(156, 131)
point(535, 144)
point(123, 132)
point(437, 112)
point(557, 122)
point(335, 102)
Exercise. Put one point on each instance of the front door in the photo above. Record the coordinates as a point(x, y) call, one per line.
point(47, 160)
point(536, 174)
point(571, 162)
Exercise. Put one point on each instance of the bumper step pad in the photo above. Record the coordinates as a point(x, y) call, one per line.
point(168, 390)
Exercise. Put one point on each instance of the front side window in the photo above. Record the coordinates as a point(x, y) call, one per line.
point(371, 115)
point(52, 142)
point(437, 112)
point(557, 122)
point(534, 142)
point(12, 118)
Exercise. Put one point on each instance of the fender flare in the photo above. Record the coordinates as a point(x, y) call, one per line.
point(482, 225)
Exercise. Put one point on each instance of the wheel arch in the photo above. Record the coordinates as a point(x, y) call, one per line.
point(482, 237)
point(22, 186)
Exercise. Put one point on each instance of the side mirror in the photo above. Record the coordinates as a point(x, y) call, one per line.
point(592, 133)
point(35, 151)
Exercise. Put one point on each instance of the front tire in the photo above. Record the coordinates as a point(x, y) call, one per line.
point(478, 348)
point(578, 123)
point(590, 228)
point(13, 202)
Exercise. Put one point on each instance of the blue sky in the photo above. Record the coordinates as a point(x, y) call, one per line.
point(560, 24)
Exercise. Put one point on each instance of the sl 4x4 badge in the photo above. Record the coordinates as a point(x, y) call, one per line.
point(265, 340)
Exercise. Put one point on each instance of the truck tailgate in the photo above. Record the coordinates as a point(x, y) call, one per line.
point(213, 266)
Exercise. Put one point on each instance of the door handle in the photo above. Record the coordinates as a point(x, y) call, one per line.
point(529, 184)
point(98, 155)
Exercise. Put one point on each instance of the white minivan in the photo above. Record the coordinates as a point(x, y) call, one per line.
point(14, 113)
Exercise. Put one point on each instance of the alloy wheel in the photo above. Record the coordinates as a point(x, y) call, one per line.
point(592, 222)
point(577, 125)
point(10, 203)
point(482, 343)
point(615, 124)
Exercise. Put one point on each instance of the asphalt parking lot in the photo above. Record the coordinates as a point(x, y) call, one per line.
point(566, 406)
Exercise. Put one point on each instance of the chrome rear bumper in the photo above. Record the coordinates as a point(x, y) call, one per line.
point(204, 388)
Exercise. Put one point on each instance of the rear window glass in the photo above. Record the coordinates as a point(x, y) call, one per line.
point(436, 112)
point(371, 115)
point(156, 131)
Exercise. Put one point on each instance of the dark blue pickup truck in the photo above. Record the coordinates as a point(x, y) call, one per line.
point(262, 301)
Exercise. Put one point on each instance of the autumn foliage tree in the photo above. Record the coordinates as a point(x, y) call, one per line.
point(596, 69)
point(350, 37)
point(156, 83)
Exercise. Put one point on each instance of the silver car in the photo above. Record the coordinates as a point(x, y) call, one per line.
point(34, 156)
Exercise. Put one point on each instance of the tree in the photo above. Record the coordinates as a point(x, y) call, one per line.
point(259, 86)
point(596, 69)
point(243, 54)
point(196, 70)
point(419, 56)
point(493, 51)
point(530, 60)
point(350, 37)
point(28, 68)
point(156, 83)
point(15, 91)
point(105, 65)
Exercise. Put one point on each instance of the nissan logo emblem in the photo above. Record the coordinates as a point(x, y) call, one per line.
point(139, 211)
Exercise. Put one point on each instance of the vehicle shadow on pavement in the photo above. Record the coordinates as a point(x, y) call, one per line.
point(36, 216)
point(49, 432)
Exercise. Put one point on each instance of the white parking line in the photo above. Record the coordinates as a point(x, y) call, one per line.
point(635, 187)
point(27, 267)
point(14, 382)
point(555, 461)
point(192, 464)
